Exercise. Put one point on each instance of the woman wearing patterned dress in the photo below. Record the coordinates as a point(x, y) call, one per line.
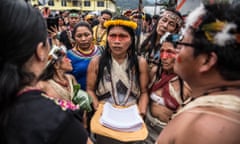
point(118, 76)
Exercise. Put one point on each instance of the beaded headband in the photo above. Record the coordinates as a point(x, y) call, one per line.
point(55, 54)
point(73, 15)
point(119, 22)
point(173, 16)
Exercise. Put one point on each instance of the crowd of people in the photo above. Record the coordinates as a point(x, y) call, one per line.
point(59, 72)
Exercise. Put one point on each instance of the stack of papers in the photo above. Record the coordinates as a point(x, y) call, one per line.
point(121, 119)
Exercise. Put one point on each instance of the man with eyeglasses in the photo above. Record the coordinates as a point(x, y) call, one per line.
point(208, 60)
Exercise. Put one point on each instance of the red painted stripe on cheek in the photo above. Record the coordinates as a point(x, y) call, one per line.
point(179, 59)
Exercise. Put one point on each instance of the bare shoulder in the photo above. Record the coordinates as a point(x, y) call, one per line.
point(95, 60)
point(202, 125)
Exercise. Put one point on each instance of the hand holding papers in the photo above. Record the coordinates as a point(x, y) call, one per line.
point(98, 128)
point(121, 119)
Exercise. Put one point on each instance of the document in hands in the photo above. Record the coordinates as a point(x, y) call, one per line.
point(121, 119)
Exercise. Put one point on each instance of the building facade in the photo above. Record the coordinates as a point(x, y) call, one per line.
point(82, 5)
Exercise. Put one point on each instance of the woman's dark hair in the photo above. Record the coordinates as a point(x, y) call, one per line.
point(228, 55)
point(150, 41)
point(105, 59)
point(81, 24)
point(22, 29)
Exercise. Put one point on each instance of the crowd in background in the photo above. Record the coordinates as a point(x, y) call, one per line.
point(182, 74)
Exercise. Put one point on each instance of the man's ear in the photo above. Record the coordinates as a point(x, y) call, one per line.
point(208, 61)
point(40, 52)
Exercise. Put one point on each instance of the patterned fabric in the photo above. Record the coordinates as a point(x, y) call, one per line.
point(80, 64)
point(224, 101)
point(65, 94)
point(64, 104)
point(121, 85)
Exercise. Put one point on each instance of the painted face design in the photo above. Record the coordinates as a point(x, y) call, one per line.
point(164, 54)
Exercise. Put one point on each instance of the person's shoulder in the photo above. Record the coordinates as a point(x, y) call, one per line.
point(201, 125)
point(95, 59)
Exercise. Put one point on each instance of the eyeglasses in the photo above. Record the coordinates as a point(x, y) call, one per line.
point(185, 44)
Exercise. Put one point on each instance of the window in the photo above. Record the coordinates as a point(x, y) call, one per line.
point(87, 3)
point(64, 3)
point(100, 3)
point(76, 2)
point(51, 3)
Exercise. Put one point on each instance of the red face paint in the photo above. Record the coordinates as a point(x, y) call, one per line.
point(179, 59)
point(164, 54)
point(120, 37)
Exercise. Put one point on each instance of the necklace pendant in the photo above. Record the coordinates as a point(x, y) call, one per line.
point(98, 39)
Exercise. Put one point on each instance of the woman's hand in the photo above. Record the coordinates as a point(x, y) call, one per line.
point(95, 103)
point(161, 112)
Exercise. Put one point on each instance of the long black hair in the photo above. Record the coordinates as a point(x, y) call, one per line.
point(106, 60)
point(22, 29)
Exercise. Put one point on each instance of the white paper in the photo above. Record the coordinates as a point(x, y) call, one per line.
point(122, 119)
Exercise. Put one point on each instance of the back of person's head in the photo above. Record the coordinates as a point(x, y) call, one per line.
point(106, 12)
point(22, 29)
point(216, 28)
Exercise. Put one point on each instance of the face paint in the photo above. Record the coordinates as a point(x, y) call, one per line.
point(120, 37)
point(179, 60)
point(167, 54)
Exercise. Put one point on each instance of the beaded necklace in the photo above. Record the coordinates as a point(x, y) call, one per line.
point(86, 52)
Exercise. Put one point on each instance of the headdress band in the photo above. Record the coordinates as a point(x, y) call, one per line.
point(119, 22)
point(73, 15)
point(173, 16)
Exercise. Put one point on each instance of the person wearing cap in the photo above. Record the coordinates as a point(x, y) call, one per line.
point(66, 36)
point(99, 31)
point(210, 48)
point(167, 90)
point(118, 76)
point(89, 18)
